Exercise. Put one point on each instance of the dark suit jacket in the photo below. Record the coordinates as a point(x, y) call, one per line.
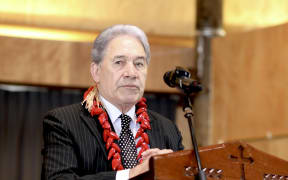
point(74, 149)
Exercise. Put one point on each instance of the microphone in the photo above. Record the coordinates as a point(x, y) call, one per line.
point(180, 78)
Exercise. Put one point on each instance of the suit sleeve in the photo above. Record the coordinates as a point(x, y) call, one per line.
point(165, 133)
point(178, 139)
point(59, 157)
point(173, 137)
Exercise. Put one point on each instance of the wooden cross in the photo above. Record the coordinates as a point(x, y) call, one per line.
point(242, 161)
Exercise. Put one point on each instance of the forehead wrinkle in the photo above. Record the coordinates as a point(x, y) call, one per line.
point(119, 56)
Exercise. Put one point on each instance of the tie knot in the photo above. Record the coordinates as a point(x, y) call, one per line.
point(125, 121)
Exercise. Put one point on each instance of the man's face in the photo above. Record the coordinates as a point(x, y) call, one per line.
point(121, 75)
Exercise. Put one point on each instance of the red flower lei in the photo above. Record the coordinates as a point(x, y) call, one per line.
point(109, 136)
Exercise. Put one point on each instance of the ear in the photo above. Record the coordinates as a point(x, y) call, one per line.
point(95, 71)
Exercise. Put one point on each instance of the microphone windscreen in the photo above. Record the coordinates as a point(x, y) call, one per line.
point(168, 78)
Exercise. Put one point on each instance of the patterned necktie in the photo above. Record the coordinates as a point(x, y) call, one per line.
point(127, 144)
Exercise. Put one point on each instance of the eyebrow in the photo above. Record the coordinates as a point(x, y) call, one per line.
point(119, 56)
point(140, 57)
point(125, 57)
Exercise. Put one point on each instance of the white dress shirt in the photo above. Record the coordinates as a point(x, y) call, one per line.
point(114, 115)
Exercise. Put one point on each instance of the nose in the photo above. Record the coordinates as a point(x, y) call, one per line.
point(130, 70)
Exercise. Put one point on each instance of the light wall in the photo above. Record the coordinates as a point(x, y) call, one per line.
point(161, 17)
point(250, 89)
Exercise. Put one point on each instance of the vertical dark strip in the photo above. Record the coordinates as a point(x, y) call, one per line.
point(21, 105)
point(209, 17)
point(3, 131)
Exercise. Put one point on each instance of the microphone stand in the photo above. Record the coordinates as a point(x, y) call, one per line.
point(187, 108)
point(181, 78)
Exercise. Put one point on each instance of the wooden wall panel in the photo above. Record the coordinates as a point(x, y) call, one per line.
point(42, 62)
point(164, 59)
point(250, 86)
point(277, 147)
point(162, 17)
point(55, 63)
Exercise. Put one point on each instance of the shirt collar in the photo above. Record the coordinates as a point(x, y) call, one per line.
point(114, 112)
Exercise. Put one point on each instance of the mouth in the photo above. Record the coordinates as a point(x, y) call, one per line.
point(130, 86)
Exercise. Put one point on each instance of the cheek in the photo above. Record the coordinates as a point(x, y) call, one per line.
point(143, 77)
point(106, 81)
point(113, 80)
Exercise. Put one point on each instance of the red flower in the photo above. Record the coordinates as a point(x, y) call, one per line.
point(88, 91)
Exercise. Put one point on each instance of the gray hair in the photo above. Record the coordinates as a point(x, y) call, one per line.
point(103, 39)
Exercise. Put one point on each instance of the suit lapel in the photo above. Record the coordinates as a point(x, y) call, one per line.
point(92, 126)
point(151, 133)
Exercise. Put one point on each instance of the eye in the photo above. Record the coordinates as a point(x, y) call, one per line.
point(140, 63)
point(118, 62)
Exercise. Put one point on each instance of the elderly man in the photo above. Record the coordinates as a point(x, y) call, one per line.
point(111, 134)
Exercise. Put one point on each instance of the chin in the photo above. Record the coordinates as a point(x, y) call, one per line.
point(131, 99)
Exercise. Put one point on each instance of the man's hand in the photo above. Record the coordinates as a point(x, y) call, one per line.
point(144, 166)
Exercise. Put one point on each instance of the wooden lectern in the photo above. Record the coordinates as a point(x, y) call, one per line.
point(229, 161)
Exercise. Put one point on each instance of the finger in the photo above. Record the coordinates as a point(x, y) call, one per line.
point(150, 151)
point(155, 152)
point(165, 151)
